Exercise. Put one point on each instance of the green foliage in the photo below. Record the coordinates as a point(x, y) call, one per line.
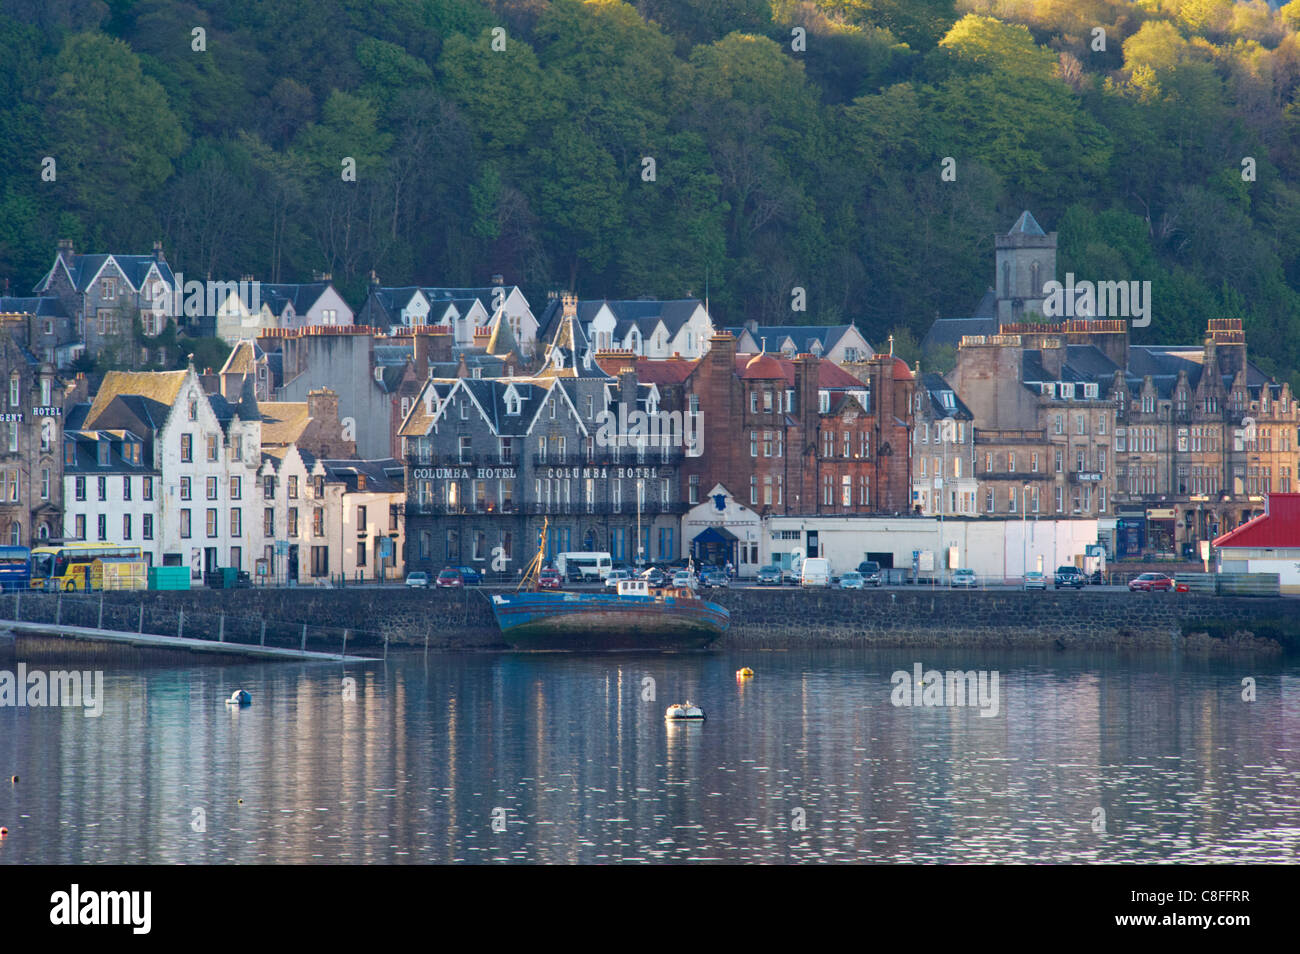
point(774, 166)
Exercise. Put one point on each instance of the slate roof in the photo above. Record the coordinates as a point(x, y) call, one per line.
point(242, 357)
point(491, 394)
point(1026, 225)
point(86, 457)
point(303, 296)
point(43, 306)
point(801, 336)
point(935, 385)
point(383, 475)
point(948, 332)
point(83, 269)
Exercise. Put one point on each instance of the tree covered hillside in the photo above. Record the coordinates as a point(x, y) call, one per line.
point(793, 144)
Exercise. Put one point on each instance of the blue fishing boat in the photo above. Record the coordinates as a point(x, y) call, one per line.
point(637, 617)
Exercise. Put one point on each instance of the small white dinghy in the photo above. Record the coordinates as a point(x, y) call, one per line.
point(681, 713)
point(241, 698)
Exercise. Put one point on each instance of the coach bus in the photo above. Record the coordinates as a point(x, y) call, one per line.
point(15, 568)
point(68, 567)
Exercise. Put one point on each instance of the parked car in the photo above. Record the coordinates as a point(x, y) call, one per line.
point(548, 578)
point(418, 579)
point(1069, 576)
point(1035, 580)
point(450, 577)
point(769, 576)
point(852, 580)
point(964, 577)
point(613, 577)
point(870, 570)
point(684, 578)
point(714, 576)
point(471, 576)
point(1150, 583)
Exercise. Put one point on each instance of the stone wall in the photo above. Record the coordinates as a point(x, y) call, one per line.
point(761, 619)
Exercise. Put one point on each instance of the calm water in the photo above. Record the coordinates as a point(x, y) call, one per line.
point(413, 769)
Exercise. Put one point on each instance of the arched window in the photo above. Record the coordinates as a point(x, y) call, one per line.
point(1035, 280)
point(1006, 279)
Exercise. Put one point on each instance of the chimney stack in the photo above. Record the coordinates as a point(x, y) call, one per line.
point(569, 304)
point(498, 280)
point(158, 252)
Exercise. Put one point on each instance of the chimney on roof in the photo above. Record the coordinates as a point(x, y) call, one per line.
point(569, 304)
point(158, 252)
point(374, 279)
point(498, 279)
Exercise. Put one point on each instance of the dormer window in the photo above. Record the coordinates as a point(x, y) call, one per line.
point(1067, 391)
point(103, 453)
point(824, 402)
point(948, 400)
point(108, 289)
point(1047, 389)
point(1090, 390)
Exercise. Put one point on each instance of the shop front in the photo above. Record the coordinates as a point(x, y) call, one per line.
point(1161, 531)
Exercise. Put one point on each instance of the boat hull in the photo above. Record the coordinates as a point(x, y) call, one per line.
point(600, 622)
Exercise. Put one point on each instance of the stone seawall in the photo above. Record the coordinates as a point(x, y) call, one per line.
point(761, 619)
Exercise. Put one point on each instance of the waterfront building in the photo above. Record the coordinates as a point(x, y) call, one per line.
point(1044, 422)
point(813, 437)
point(152, 460)
point(943, 451)
point(488, 459)
point(1267, 543)
point(31, 421)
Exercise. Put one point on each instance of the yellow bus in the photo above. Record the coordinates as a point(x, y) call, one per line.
point(68, 567)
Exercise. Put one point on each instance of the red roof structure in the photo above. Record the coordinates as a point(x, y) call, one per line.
point(1277, 528)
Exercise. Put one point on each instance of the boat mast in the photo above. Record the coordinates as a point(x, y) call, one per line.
point(535, 566)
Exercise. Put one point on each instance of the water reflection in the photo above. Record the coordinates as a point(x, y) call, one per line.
point(1089, 758)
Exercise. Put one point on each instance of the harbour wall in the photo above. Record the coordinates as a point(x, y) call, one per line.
point(364, 618)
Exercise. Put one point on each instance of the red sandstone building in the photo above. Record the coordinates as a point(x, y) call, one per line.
point(800, 436)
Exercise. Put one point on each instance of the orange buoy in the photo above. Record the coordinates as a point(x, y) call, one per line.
point(3, 831)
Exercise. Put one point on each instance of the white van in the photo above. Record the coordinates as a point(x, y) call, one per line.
point(591, 567)
point(816, 572)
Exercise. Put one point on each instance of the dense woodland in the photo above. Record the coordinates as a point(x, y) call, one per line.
point(775, 167)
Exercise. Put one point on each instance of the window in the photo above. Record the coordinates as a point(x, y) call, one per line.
point(1058, 424)
point(212, 488)
point(320, 561)
point(1060, 499)
point(185, 488)
point(767, 443)
point(268, 522)
point(15, 390)
point(79, 525)
point(753, 443)
point(292, 522)
point(126, 526)
point(1033, 463)
point(187, 448)
point(988, 500)
point(846, 491)
point(146, 526)
point(464, 447)
point(45, 483)
point(214, 447)
point(236, 488)
point(318, 521)
point(101, 527)
point(694, 489)
point(361, 553)
point(101, 487)
point(1011, 462)
point(146, 487)
point(828, 490)
point(753, 402)
point(753, 489)
point(212, 522)
point(236, 522)
point(293, 486)
point(1060, 460)
point(79, 488)
point(1011, 500)
point(185, 524)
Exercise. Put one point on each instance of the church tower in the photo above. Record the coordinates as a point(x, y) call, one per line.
point(1025, 260)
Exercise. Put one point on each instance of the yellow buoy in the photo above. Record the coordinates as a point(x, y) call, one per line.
point(744, 673)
